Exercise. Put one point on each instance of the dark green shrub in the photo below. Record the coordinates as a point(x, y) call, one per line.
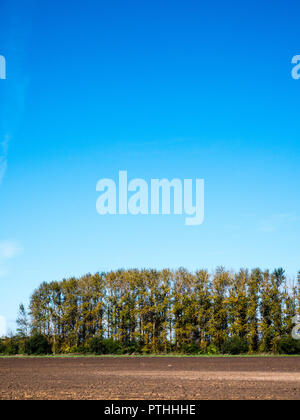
point(11, 346)
point(75, 349)
point(288, 345)
point(83, 348)
point(112, 346)
point(98, 345)
point(130, 347)
point(2, 347)
point(190, 348)
point(37, 344)
point(235, 345)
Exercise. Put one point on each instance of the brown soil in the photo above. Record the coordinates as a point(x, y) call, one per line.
point(150, 378)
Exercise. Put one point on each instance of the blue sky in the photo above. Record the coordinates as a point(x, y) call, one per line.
point(161, 89)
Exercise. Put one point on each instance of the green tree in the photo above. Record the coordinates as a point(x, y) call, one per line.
point(23, 322)
point(253, 296)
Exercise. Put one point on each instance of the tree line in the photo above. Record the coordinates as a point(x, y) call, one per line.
point(165, 311)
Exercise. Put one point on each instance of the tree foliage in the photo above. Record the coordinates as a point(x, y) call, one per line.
point(152, 311)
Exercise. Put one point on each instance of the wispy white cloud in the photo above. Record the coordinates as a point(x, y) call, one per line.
point(9, 249)
point(276, 221)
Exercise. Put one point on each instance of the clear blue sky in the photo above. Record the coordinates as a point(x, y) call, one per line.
point(185, 89)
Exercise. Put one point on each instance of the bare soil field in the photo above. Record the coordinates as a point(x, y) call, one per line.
point(150, 378)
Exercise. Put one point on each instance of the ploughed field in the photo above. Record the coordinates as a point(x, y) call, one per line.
point(150, 378)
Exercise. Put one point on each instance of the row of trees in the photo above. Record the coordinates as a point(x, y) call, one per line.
point(154, 311)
